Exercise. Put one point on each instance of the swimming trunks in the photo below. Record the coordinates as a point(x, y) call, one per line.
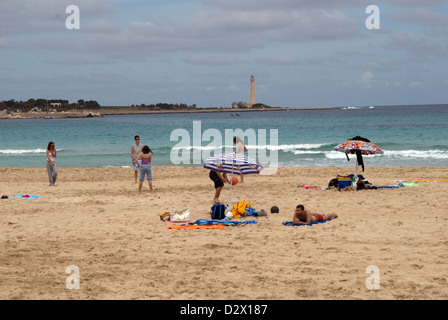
point(318, 216)
point(215, 178)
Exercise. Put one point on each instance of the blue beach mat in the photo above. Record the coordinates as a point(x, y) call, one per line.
point(391, 187)
point(205, 221)
point(289, 223)
point(25, 196)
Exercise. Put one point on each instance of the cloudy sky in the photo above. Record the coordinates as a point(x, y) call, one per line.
point(303, 53)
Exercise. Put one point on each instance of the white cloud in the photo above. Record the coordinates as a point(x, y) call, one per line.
point(416, 84)
point(233, 87)
point(280, 60)
point(366, 79)
point(202, 59)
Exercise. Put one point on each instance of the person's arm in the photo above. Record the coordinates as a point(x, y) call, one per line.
point(55, 153)
point(138, 157)
point(132, 155)
point(223, 177)
point(296, 220)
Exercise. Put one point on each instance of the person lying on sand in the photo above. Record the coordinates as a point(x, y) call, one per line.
point(302, 216)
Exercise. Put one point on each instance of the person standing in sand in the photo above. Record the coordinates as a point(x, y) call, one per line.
point(136, 149)
point(51, 165)
point(219, 180)
point(240, 149)
point(144, 162)
point(302, 216)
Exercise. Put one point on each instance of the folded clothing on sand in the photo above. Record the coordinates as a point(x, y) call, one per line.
point(311, 187)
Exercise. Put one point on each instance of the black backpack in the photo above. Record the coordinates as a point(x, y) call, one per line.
point(218, 212)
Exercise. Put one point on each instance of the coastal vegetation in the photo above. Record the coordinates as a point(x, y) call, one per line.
point(61, 105)
point(58, 105)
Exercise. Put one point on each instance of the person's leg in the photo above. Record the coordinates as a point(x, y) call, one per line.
point(142, 178)
point(50, 173)
point(217, 193)
point(149, 175)
point(55, 174)
point(136, 171)
point(329, 216)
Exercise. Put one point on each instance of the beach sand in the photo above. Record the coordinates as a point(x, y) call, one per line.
point(97, 220)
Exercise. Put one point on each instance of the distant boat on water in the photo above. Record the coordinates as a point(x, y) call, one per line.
point(235, 114)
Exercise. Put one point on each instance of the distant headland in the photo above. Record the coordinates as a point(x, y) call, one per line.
point(51, 109)
point(54, 109)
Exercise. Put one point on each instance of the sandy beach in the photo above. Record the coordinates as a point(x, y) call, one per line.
point(97, 220)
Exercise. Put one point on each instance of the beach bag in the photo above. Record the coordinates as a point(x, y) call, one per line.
point(218, 212)
point(344, 182)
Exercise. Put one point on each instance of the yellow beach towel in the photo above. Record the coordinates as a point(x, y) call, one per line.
point(239, 209)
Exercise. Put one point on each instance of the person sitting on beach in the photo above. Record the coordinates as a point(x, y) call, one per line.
point(144, 162)
point(302, 216)
point(219, 180)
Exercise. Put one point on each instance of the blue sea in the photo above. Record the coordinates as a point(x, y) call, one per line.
point(408, 135)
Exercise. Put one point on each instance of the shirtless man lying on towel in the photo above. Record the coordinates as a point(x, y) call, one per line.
point(302, 216)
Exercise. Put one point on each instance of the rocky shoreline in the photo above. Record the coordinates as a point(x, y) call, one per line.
point(128, 111)
point(114, 111)
point(50, 115)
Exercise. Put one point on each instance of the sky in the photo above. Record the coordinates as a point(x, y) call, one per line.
point(302, 53)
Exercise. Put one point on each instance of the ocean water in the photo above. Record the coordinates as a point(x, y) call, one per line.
point(408, 135)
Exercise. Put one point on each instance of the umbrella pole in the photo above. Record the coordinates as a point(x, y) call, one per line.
point(230, 193)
